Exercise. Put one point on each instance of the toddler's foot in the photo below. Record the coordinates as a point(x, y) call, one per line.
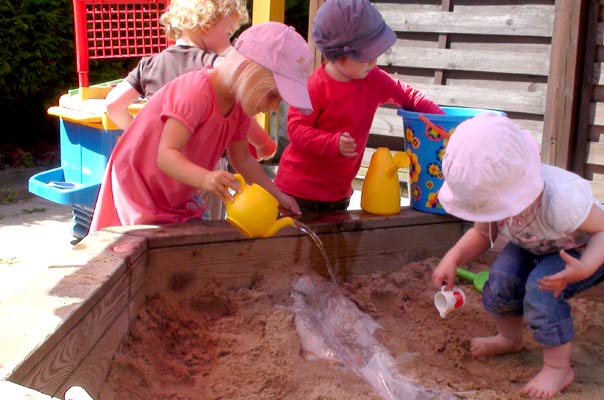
point(548, 382)
point(493, 346)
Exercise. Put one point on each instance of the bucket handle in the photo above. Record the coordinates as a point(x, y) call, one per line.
point(432, 125)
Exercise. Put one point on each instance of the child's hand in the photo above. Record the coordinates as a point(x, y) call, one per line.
point(575, 271)
point(444, 274)
point(219, 182)
point(266, 151)
point(288, 205)
point(347, 146)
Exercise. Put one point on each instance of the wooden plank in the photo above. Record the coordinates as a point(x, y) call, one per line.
point(62, 356)
point(600, 33)
point(92, 372)
point(596, 113)
point(387, 122)
point(505, 62)
point(472, 7)
point(597, 76)
point(58, 297)
point(507, 24)
point(237, 264)
point(598, 189)
point(477, 97)
point(562, 97)
point(595, 153)
point(221, 231)
point(537, 85)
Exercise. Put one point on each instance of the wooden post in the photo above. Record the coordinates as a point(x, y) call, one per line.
point(586, 90)
point(313, 6)
point(563, 83)
point(264, 11)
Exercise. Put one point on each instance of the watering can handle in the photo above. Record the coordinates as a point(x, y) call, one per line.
point(241, 181)
point(432, 125)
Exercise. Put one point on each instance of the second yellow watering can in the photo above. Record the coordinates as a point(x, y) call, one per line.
point(254, 211)
point(381, 193)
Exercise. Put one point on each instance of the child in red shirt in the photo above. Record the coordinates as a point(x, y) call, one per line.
point(326, 147)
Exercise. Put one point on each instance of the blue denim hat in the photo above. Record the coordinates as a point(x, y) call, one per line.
point(353, 28)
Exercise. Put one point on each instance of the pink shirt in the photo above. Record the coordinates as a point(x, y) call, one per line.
point(134, 189)
point(311, 166)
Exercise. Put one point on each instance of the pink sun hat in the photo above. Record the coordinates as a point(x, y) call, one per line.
point(280, 49)
point(491, 168)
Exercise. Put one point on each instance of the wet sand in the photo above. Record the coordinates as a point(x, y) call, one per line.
point(221, 343)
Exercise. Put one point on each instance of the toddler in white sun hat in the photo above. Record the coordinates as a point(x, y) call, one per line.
point(494, 177)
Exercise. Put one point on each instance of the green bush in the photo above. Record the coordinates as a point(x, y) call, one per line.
point(36, 58)
point(37, 66)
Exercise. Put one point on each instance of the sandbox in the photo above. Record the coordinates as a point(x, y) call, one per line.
point(196, 311)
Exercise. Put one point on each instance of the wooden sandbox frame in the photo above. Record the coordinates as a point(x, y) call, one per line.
point(65, 327)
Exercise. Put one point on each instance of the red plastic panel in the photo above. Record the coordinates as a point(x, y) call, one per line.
point(115, 29)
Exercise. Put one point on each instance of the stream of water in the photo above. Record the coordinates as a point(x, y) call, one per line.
point(319, 244)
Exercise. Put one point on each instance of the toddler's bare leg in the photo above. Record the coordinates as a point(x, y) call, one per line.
point(555, 375)
point(508, 340)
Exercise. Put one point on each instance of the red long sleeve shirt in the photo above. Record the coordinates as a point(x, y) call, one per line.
point(311, 166)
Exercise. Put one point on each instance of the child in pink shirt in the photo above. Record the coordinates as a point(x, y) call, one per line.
point(326, 147)
point(167, 153)
point(202, 32)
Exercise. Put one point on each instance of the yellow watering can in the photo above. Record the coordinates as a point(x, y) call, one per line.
point(254, 211)
point(381, 193)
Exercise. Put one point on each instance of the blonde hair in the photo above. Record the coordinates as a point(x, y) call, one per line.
point(183, 15)
point(239, 71)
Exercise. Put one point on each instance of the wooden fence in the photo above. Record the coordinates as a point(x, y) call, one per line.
point(589, 141)
point(527, 58)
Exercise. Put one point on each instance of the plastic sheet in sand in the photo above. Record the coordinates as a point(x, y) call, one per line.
point(331, 326)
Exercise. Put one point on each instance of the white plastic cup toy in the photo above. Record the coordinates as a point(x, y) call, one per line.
point(449, 300)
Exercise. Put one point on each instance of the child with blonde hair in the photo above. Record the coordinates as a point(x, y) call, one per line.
point(168, 152)
point(202, 30)
point(326, 147)
point(494, 177)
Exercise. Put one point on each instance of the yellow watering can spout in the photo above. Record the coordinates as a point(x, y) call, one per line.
point(278, 225)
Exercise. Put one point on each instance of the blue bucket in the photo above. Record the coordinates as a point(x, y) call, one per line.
point(426, 137)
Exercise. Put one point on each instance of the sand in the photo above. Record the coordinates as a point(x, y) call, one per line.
point(221, 343)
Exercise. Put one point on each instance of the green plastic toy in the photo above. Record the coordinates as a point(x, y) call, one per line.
point(478, 280)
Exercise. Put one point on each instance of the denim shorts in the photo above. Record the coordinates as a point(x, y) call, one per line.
point(513, 290)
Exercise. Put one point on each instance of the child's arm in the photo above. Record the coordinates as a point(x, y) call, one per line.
point(252, 172)
point(591, 259)
point(117, 102)
point(265, 146)
point(172, 161)
point(404, 95)
point(469, 247)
